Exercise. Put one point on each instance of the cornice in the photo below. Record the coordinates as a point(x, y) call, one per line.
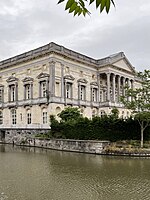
point(59, 50)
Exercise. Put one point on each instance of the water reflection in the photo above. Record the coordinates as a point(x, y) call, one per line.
point(32, 173)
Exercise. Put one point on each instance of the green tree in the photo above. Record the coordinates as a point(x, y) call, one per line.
point(115, 113)
point(140, 101)
point(78, 7)
point(70, 114)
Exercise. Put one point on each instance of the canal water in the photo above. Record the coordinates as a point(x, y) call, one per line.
point(36, 174)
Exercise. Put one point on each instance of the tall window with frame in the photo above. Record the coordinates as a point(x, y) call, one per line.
point(43, 87)
point(14, 116)
point(105, 95)
point(28, 91)
point(68, 90)
point(101, 96)
point(82, 92)
point(1, 117)
point(1, 94)
point(94, 94)
point(44, 116)
point(12, 92)
point(28, 117)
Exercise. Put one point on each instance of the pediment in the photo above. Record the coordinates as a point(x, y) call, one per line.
point(69, 77)
point(124, 64)
point(94, 83)
point(27, 79)
point(12, 79)
point(43, 75)
point(82, 80)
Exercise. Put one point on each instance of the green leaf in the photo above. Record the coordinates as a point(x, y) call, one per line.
point(73, 7)
point(107, 5)
point(103, 4)
point(77, 10)
point(98, 2)
point(80, 11)
point(69, 4)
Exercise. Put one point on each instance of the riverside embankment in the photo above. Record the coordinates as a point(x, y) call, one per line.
point(79, 146)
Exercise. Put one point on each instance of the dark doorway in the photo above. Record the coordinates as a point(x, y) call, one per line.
point(2, 135)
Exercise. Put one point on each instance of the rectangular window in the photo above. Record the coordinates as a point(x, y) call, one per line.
point(28, 91)
point(94, 94)
point(101, 96)
point(68, 90)
point(82, 92)
point(44, 117)
point(1, 94)
point(28, 118)
point(1, 117)
point(43, 89)
point(12, 93)
point(14, 116)
point(105, 95)
point(57, 89)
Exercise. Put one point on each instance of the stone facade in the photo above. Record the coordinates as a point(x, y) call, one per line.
point(44, 81)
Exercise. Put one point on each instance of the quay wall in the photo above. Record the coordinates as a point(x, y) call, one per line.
point(82, 146)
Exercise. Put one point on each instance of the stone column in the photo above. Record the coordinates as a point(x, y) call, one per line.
point(16, 91)
point(65, 92)
point(91, 92)
point(132, 87)
point(52, 78)
point(108, 86)
point(98, 92)
point(118, 88)
point(62, 82)
point(9, 93)
point(123, 81)
point(40, 89)
point(24, 91)
point(31, 86)
point(79, 91)
point(129, 85)
point(114, 87)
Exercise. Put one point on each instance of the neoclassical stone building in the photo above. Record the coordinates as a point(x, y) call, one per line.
point(44, 81)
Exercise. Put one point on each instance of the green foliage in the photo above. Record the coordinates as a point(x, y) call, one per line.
point(115, 113)
point(105, 128)
point(140, 101)
point(69, 114)
point(78, 7)
point(140, 96)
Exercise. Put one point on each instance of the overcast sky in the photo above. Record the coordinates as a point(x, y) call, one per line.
point(28, 24)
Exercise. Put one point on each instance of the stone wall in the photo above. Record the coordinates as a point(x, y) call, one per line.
point(83, 146)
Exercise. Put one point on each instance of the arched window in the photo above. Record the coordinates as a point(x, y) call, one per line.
point(1, 117)
point(58, 110)
point(93, 113)
point(14, 116)
point(102, 113)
